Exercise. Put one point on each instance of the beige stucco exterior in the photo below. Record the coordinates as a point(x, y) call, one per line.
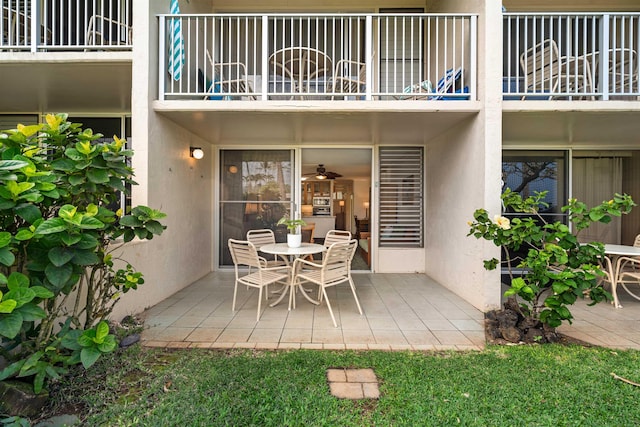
point(462, 143)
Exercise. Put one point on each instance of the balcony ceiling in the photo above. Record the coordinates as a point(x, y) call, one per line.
point(580, 129)
point(328, 123)
point(88, 86)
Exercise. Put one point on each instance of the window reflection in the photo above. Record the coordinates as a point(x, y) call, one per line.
point(256, 191)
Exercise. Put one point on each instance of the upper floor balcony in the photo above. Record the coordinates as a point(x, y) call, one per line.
point(317, 57)
point(64, 25)
point(571, 56)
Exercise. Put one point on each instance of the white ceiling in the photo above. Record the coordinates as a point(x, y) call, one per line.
point(351, 163)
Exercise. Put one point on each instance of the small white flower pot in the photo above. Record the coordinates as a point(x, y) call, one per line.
point(294, 240)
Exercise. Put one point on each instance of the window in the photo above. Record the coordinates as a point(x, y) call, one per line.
point(526, 172)
point(255, 192)
point(401, 210)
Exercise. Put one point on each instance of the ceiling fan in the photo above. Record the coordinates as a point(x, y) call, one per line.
point(322, 173)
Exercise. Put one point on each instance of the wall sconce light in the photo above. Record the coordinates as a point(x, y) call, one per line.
point(196, 152)
point(233, 169)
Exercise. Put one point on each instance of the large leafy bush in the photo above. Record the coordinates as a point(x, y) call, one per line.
point(60, 221)
point(548, 268)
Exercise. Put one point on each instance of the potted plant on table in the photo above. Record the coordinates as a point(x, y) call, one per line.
point(294, 237)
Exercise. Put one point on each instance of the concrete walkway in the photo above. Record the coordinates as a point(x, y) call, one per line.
point(401, 312)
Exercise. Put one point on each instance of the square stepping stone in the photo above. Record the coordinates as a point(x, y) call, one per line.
point(347, 383)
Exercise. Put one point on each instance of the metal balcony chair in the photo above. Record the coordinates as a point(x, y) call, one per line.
point(230, 81)
point(545, 71)
point(349, 77)
point(103, 32)
point(244, 253)
point(334, 269)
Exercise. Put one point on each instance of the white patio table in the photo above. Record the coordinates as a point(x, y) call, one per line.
point(284, 250)
point(614, 252)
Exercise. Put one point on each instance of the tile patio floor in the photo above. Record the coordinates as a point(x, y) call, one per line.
point(401, 311)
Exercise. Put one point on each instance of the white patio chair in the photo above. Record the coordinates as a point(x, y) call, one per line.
point(545, 71)
point(265, 236)
point(230, 81)
point(105, 32)
point(349, 77)
point(334, 236)
point(334, 269)
point(628, 275)
point(244, 253)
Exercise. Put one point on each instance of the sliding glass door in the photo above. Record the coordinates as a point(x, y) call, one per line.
point(256, 189)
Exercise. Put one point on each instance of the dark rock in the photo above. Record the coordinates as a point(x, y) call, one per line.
point(129, 340)
point(60, 421)
point(491, 329)
point(534, 335)
point(529, 323)
point(507, 318)
point(18, 398)
point(490, 315)
point(511, 334)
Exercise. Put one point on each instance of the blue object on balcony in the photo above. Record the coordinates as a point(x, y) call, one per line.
point(457, 98)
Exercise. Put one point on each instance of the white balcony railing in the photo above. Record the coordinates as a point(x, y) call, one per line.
point(48, 25)
point(571, 56)
point(317, 57)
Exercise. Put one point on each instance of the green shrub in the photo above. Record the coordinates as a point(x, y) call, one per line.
point(557, 269)
point(59, 211)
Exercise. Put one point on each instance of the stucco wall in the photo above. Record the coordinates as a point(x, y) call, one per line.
point(169, 180)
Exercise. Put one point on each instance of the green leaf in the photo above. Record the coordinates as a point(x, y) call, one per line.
point(21, 295)
point(50, 226)
point(8, 306)
point(58, 276)
point(59, 256)
point(17, 280)
point(6, 257)
point(90, 223)
point(31, 312)
point(24, 234)
point(73, 154)
point(70, 239)
point(87, 241)
point(108, 345)
point(77, 180)
point(12, 369)
point(5, 238)
point(154, 227)
point(65, 165)
point(88, 356)
point(70, 340)
point(29, 213)
point(85, 257)
point(10, 325)
point(130, 221)
point(38, 381)
point(12, 164)
point(102, 330)
point(42, 292)
point(98, 176)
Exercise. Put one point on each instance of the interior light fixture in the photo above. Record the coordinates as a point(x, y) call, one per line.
point(233, 169)
point(320, 176)
point(196, 152)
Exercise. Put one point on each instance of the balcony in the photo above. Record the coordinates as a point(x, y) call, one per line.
point(63, 25)
point(571, 56)
point(335, 57)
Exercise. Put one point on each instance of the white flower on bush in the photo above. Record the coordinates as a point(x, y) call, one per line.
point(502, 222)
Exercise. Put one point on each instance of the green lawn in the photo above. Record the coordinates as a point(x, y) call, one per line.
point(549, 385)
